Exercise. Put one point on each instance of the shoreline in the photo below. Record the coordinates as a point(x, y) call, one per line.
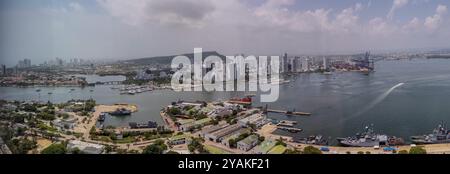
point(268, 130)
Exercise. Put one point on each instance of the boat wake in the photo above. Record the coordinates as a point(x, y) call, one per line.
point(376, 101)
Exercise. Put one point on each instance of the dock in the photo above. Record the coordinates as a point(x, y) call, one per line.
point(289, 112)
point(287, 123)
point(290, 129)
point(239, 102)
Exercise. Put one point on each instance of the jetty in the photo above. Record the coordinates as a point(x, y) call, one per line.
point(289, 129)
point(289, 112)
point(287, 123)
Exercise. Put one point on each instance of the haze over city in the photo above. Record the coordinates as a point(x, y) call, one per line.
point(116, 29)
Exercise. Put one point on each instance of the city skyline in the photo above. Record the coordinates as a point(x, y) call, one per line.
point(110, 29)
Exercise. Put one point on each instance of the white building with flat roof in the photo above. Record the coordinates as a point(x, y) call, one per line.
point(85, 147)
point(256, 119)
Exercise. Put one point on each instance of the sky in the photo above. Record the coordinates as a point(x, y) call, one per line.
point(116, 29)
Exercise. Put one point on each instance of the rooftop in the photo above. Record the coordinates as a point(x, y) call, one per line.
point(249, 140)
point(86, 147)
point(266, 146)
point(202, 121)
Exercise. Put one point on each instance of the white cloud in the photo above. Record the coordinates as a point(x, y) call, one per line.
point(432, 23)
point(413, 25)
point(139, 12)
point(347, 19)
point(139, 28)
point(75, 6)
point(380, 27)
point(397, 4)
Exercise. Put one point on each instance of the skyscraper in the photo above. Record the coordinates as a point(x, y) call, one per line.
point(324, 66)
point(305, 64)
point(285, 63)
point(27, 63)
point(3, 70)
point(295, 64)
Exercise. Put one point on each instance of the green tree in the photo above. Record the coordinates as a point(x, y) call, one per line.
point(158, 147)
point(172, 152)
point(261, 138)
point(174, 111)
point(232, 142)
point(21, 146)
point(76, 151)
point(417, 150)
point(311, 150)
point(56, 148)
point(403, 152)
point(280, 142)
point(196, 145)
point(290, 151)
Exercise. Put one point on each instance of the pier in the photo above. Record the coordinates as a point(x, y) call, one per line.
point(289, 129)
point(287, 123)
point(106, 83)
point(289, 112)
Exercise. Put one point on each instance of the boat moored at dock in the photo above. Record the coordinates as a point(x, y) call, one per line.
point(439, 135)
point(121, 112)
point(370, 139)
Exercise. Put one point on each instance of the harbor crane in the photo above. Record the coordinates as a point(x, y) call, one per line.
point(366, 62)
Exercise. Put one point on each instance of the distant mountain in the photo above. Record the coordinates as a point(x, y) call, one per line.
point(168, 59)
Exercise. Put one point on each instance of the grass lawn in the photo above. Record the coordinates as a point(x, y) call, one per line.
point(277, 150)
point(102, 138)
point(125, 140)
point(215, 150)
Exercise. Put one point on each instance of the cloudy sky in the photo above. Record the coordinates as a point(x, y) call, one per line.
point(113, 29)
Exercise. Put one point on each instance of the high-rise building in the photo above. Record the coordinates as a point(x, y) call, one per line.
point(295, 64)
point(25, 63)
point(20, 64)
point(305, 64)
point(285, 63)
point(59, 62)
point(3, 70)
point(324, 63)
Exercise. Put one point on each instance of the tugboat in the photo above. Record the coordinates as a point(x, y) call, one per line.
point(121, 112)
point(369, 139)
point(439, 135)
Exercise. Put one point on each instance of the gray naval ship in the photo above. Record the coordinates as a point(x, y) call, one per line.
point(439, 135)
point(369, 139)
